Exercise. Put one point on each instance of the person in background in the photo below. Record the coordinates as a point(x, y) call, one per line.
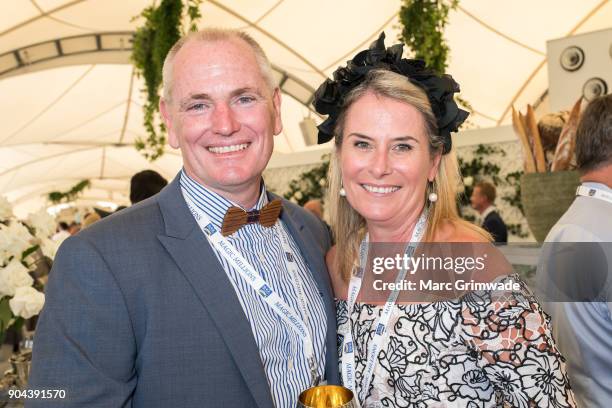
point(482, 199)
point(316, 207)
point(146, 184)
point(63, 232)
point(576, 262)
point(90, 219)
point(74, 228)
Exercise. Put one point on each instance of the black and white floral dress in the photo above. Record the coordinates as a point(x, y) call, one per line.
point(480, 350)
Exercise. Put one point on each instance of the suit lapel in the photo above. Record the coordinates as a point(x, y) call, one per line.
point(305, 241)
point(195, 258)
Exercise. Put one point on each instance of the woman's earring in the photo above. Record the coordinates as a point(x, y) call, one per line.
point(433, 197)
point(342, 191)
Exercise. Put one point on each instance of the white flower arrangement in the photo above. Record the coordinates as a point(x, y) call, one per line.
point(43, 223)
point(14, 239)
point(27, 302)
point(13, 276)
point(49, 247)
point(19, 299)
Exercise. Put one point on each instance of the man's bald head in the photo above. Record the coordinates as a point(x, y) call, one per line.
point(215, 35)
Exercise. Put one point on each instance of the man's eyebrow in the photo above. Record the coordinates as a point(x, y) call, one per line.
point(194, 97)
point(395, 139)
point(244, 90)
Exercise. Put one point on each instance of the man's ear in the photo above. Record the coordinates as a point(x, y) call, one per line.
point(276, 105)
point(164, 109)
point(435, 165)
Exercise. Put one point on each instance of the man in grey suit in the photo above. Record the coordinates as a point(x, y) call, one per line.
point(175, 303)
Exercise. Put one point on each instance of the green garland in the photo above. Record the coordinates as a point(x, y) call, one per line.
point(57, 197)
point(309, 185)
point(423, 24)
point(161, 29)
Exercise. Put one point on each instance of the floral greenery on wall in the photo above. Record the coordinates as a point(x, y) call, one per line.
point(58, 196)
point(309, 185)
point(162, 28)
point(481, 168)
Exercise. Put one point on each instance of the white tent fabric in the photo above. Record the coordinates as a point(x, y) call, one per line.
point(76, 117)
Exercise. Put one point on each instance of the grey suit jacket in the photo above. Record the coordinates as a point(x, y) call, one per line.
point(139, 313)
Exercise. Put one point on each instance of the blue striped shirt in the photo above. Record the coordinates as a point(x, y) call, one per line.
point(280, 348)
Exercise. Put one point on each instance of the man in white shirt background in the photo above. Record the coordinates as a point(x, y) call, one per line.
point(574, 273)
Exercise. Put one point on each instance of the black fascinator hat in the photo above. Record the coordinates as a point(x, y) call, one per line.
point(440, 89)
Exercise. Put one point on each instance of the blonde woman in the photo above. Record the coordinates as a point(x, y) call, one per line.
point(393, 178)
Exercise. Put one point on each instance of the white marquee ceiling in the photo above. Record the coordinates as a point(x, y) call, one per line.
point(76, 117)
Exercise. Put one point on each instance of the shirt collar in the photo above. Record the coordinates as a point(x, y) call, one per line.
point(213, 204)
point(488, 211)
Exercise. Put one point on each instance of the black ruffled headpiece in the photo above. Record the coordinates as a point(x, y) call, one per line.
point(328, 99)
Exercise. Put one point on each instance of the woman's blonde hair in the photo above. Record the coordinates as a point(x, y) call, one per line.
point(348, 226)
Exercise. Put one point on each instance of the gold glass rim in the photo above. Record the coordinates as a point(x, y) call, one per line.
point(326, 396)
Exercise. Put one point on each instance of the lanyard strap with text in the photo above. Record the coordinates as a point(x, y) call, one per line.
point(260, 286)
point(348, 346)
point(594, 193)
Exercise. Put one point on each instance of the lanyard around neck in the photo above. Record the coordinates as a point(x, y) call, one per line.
point(348, 350)
point(594, 193)
point(248, 273)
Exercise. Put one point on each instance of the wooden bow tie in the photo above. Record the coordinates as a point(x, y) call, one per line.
point(236, 218)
